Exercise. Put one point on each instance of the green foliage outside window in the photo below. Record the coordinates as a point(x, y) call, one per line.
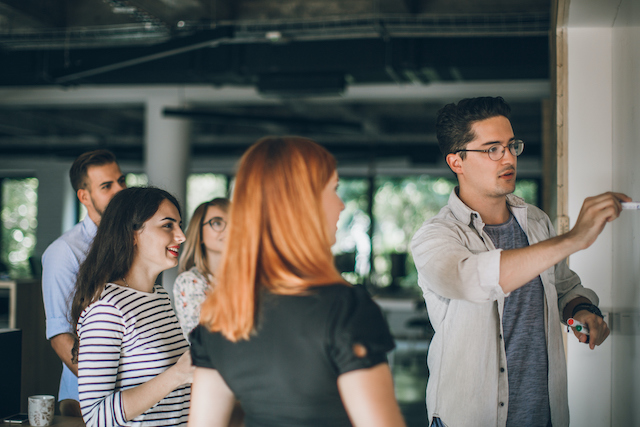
point(202, 187)
point(528, 190)
point(19, 223)
point(400, 206)
point(353, 244)
point(136, 179)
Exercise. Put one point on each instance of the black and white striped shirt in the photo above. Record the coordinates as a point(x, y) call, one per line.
point(128, 337)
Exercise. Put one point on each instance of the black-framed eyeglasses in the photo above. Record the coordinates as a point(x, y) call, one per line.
point(216, 223)
point(496, 152)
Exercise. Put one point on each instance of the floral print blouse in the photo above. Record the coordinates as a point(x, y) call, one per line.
point(189, 292)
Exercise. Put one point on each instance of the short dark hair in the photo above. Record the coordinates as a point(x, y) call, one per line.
point(111, 253)
point(454, 121)
point(78, 171)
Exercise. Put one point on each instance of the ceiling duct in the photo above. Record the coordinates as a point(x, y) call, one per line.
point(259, 121)
point(151, 30)
point(307, 84)
point(399, 25)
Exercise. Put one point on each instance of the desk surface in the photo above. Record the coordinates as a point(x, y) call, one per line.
point(57, 421)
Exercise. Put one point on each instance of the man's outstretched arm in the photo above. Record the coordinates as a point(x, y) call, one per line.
point(519, 266)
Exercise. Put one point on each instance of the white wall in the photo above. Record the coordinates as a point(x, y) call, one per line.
point(604, 125)
point(625, 292)
point(590, 173)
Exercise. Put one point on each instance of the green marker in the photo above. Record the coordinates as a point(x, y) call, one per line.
point(580, 327)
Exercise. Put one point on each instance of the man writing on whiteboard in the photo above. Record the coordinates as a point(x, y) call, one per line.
point(496, 282)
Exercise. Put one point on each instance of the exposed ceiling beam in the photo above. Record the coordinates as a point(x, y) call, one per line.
point(12, 19)
point(48, 13)
point(521, 90)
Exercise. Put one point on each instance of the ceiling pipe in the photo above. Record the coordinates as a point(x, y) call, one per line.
point(69, 78)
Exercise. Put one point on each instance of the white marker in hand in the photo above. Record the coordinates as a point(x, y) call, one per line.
point(635, 206)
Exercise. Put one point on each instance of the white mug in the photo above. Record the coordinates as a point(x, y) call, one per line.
point(41, 409)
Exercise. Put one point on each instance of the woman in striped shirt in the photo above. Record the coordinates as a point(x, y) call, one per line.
point(134, 367)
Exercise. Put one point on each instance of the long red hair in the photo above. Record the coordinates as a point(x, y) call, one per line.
point(277, 238)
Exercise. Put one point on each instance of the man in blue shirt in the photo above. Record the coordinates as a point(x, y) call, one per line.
point(96, 178)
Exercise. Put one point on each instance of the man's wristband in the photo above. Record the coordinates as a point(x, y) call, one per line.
point(587, 306)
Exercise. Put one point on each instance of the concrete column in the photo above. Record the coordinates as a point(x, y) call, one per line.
point(167, 152)
point(56, 203)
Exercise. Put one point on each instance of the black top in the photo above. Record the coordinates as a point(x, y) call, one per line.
point(286, 373)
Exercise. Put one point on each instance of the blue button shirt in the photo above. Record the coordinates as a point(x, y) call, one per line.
point(60, 264)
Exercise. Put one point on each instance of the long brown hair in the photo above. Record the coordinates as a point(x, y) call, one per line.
point(277, 238)
point(112, 250)
point(193, 252)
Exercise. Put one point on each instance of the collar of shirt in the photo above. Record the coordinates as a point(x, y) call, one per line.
point(89, 227)
point(466, 215)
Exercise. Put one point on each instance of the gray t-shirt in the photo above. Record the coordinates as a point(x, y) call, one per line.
point(525, 340)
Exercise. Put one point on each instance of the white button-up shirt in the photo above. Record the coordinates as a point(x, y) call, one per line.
point(459, 272)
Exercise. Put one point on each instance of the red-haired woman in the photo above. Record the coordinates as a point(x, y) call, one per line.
point(282, 332)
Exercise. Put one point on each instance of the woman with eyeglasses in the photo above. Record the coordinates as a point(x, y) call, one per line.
point(282, 332)
point(199, 260)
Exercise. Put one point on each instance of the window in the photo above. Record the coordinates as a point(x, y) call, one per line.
point(19, 207)
point(400, 206)
point(352, 250)
point(529, 190)
point(202, 187)
point(132, 180)
point(136, 179)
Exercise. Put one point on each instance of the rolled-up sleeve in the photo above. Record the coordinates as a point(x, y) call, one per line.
point(448, 267)
point(59, 270)
point(569, 287)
